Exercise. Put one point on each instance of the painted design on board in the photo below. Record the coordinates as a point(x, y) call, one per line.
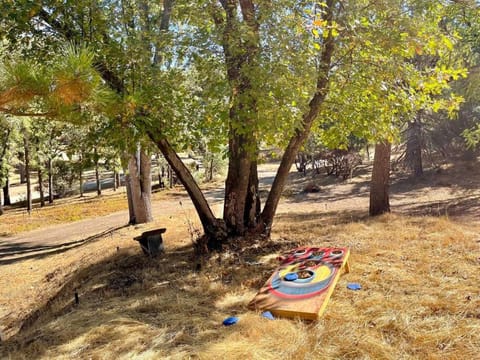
point(305, 272)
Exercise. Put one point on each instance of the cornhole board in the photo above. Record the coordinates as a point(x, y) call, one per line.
point(303, 283)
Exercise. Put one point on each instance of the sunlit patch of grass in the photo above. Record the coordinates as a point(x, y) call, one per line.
point(419, 297)
point(67, 210)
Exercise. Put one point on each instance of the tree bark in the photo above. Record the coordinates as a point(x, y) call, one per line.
point(27, 172)
point(40, 187)
point(413, 158)
point(380, 183)
point(6, 187)
point(6, 192)
point(139, 168)
point(80, 179)
point(241, 49)
point(114, 180)
point(22, 173)
point(97, 173)
point(1, 205)
point(253, 205)
point(50, 181)
point(97, 179)
point(213, 228)
point(236, 186)
point(131, 211)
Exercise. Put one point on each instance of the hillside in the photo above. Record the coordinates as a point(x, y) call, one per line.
point(418, 268)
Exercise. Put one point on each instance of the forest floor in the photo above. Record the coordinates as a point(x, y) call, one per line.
point(418, 268)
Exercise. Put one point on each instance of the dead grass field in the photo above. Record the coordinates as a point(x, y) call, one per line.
point(420, 296)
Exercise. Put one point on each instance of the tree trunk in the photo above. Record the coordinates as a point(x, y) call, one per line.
point(1, 205)
point(238, 211)
point(131, 211)
point(139, 168)
point(159, 175)
point(170, 176)
point(97, 174)
point(40, 187)
point(236, 186)
point(50, 181)
point(97, 179)
point(22, 173)
point(6, 192)
point(253, 205)
point(214, 228)
point(80, 179)
point(413, 158)
point(27, 173)
point(210, 176)
point(379, 186)
point(3, 154)
point(118, 180)
point(114, 180)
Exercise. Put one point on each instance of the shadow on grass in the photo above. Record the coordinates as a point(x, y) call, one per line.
point(11, 252)
point(323, 218)
point(162, 296)
point(464, 206)
point(461, 176)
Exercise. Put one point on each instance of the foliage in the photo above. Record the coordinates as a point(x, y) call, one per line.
point(29, 87)
point(234, 74)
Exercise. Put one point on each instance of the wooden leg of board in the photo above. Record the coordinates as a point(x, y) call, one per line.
point(347, 267)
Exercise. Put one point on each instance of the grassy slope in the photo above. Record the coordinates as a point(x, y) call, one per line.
point(420, 299)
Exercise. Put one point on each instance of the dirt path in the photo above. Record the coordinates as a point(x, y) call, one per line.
point(59, 238)
point(445, 193)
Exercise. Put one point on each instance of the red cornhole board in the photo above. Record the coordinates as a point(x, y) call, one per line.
point(303, 283)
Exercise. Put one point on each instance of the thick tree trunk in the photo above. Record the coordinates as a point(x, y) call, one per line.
point(240, 212)
point(413, 158)
point(27, 172)
point(6, 192)
point(50, 181)
point(139, 168)
point(379, 186)
point(1, 205)
point(40, 187)
point(236, 186)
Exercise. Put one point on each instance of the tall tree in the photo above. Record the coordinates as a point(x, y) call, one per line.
point(380, 183)
point(26, 154)
point(287, 64)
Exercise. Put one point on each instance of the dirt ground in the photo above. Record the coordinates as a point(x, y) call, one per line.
point(36, 265)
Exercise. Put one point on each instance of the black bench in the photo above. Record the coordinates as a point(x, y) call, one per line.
point(151, 242)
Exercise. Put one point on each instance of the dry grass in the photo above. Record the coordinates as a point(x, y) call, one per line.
point(15, 221)
point(420, 296)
